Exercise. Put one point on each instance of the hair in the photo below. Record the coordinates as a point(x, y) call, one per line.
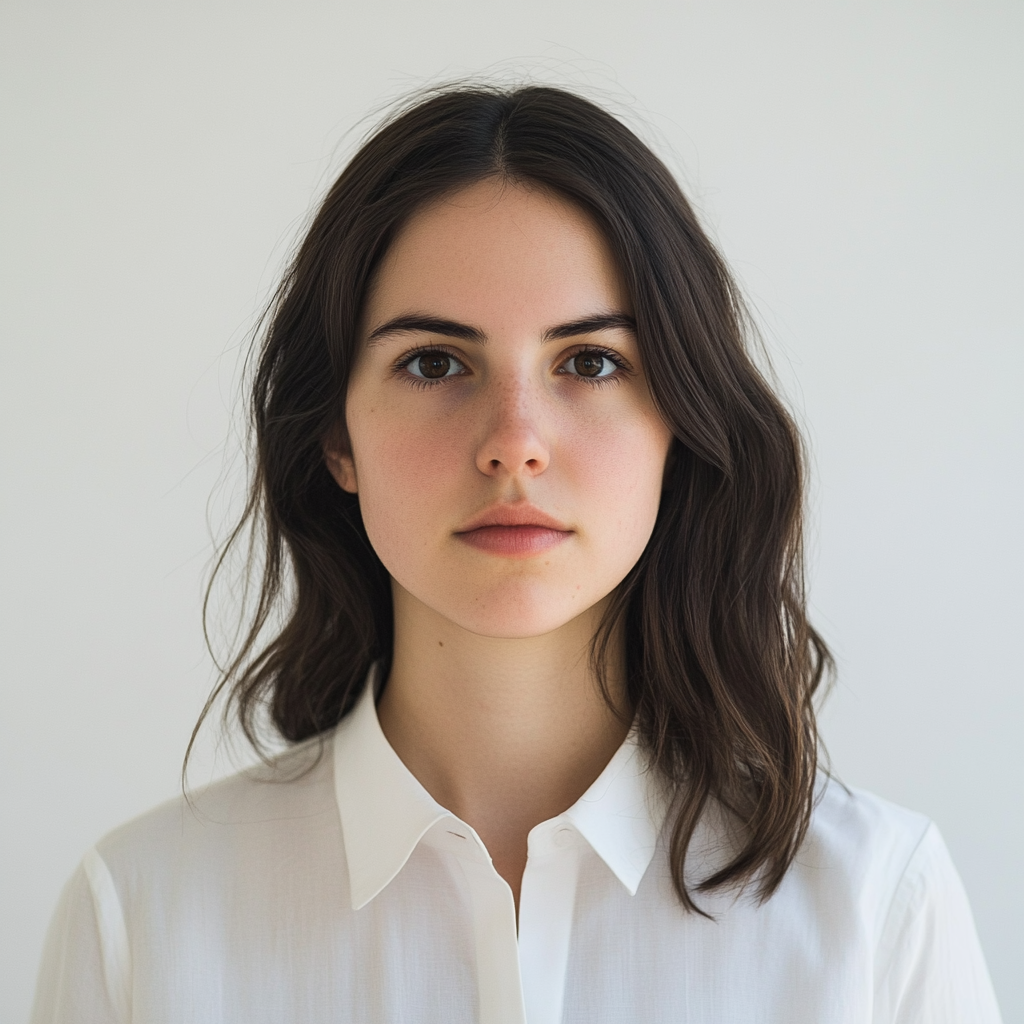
point(722, 664)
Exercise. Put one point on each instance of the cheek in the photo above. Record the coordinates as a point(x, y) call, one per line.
point(406, 472)
point(414, 462)
point(618, 466)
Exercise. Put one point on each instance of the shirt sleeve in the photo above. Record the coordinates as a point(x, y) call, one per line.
point(85, 975)
point(930, 965)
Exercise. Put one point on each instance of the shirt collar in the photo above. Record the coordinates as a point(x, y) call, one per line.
point(622, 813)
point(385, 811)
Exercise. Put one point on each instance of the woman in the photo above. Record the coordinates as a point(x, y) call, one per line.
point(534, 519)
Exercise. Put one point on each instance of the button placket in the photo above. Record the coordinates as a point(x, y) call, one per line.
point(546, 906)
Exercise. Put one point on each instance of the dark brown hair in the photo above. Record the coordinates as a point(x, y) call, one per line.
point(722, 663)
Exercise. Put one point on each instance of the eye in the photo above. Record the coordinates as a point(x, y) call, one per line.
point(433, 364)
point(591, 364)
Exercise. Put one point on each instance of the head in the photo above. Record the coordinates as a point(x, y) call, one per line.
point(499, 431)
point(505, 312)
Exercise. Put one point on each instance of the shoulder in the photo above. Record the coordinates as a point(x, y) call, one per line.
point(855, 857)
point(861, 834)
point(893, 870)
point(252, 816)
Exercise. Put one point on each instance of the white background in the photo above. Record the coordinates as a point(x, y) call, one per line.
point(861, 165)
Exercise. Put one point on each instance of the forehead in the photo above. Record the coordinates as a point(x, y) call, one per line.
point(497, 253)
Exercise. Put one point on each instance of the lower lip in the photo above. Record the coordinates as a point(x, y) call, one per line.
point(514, 541)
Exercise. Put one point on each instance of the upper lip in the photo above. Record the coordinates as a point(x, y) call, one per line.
point(522, 513)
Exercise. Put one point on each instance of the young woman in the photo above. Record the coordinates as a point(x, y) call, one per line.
point(534, 521)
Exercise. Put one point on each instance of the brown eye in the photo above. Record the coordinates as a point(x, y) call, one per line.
point(432, 365)
point(589, 364)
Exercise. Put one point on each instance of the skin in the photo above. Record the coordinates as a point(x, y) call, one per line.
point(491, 702)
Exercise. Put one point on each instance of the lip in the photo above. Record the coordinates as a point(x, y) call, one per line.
point(513, 531)
point(522, 513)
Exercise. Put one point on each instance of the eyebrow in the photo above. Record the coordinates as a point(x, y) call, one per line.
point(410, 323)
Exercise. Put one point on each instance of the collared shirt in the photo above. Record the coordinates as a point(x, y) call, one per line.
point(334, 888)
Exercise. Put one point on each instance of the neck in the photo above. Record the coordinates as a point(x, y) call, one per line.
point(504, 733)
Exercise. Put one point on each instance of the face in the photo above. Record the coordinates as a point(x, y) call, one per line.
point(501, 436)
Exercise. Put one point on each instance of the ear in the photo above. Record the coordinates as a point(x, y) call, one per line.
point(340, 464)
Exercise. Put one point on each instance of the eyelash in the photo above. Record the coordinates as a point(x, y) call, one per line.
point(423, 382)
point(623, 367)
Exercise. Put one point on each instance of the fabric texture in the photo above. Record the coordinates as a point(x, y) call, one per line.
point(332, 887)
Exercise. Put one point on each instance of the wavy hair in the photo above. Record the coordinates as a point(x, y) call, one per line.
point(722, 664)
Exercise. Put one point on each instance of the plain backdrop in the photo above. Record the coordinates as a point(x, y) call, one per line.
point(861, 165)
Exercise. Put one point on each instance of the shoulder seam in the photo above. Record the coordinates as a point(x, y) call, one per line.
point(115, 949)
point(897, 889)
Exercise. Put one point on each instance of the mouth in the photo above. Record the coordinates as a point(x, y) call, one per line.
point(514, 531)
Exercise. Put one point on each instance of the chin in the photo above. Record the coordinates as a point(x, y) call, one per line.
point(516, 613)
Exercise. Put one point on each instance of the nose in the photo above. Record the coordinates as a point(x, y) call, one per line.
point(513, 441)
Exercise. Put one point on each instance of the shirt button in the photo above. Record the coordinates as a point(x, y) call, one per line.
point(564, 837)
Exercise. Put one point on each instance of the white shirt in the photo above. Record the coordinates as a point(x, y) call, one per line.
point(349, 895)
